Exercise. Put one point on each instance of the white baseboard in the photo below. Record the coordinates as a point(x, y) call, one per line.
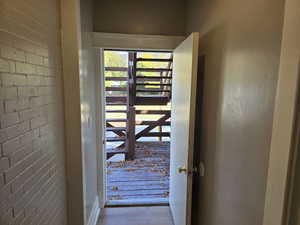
point(95, 213)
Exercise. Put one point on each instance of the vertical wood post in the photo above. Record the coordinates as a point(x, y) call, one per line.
point(130, 131)
point(130, 137)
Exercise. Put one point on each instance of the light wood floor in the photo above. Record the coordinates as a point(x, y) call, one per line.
point(142, 180)
point(154, 215)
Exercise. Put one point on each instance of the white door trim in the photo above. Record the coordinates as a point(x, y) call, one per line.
point(284, 119)
point(136, 41)
point(100, 120)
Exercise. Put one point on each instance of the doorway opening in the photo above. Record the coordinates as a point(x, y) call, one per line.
point(138, 88)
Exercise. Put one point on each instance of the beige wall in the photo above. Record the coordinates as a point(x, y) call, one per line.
point(241, 41)
point(88, 107)
point(32, 173)
point(165, 17)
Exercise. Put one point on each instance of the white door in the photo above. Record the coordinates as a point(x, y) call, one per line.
point(184, 91)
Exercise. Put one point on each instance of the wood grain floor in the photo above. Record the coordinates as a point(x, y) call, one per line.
point(144, 180)
point(155, 215)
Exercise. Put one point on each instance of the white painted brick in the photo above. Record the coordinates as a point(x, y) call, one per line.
point(40, 70)
point(34, 59)
point(44, 91)
point(4, 65)
point(3, 135)
point(25, 68)
point(27, 91)
point(12, 66)
point(12, 53)
point(46, 62)
point(21, 154)
point(27, 114)
point(37, 122)
point(1, 181)
point(14, 171)
point(16, 105)
point(10, 119)
point(33, 80)
point(13, 80)
point(16, 130)
point(8, 92)
point(1, 107)
point(11, 146)
point(4, 164)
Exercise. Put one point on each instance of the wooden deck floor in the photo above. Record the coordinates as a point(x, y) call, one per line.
point(144, 180)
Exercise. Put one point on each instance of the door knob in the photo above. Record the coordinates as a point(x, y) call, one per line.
point(182, 170)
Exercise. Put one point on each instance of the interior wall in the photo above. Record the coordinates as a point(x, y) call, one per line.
point(241, 43)
point(140, 17)
point(32, 162)
point(88, 106)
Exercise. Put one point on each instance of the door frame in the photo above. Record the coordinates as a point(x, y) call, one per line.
point(104, 41)
point(284, 121)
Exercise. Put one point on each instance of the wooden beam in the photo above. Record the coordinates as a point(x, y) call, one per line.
point(130, 137)
point(151, 127)
point(159, 112)
point(121, 69)
point(116, 78)
point(153, 60)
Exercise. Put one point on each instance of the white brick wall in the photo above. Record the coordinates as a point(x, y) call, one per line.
point(32, 173)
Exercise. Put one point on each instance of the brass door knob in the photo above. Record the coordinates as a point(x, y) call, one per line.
point(182, 170)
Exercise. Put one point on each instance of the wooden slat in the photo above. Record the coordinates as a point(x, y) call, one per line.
point(115, 120)
point(154, 77)
point(121, 99)
point(158, 112)
point(152, 100)
point(115, 139)
point(116, 69)
point(116, 89)
point(115, 129)
point(115, 103)
point(115, 111)
point(151, 127)
point(156, 84)
point(157, 134)
point(154, 90)
point(146, 123)
point(153, 60)
point(116, 78)
point(153, 69)
point(110, 127)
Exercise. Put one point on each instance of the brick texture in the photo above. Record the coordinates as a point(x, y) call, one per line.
point(32, 164)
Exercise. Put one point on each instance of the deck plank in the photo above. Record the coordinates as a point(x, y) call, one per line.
point(144, 179)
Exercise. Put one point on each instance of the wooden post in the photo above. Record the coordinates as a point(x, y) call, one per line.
point(130, 131)
point(130, 137)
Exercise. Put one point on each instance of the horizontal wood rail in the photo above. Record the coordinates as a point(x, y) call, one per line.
point(116, 99)
point(110, 127)
point(155, 84)
point(116, 78)
point(157, 134)
point(152, 126)
point(151, 90)
point(116, 89)
point(115, 111)
point(146, 123)
point(153, 69)
point(116, 139)
point(121, 69)
point(153, 60)
point(153, 77)
point(158, 112)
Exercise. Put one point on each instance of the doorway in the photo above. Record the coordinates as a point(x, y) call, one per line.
point(141, 125)
point(137, 110)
